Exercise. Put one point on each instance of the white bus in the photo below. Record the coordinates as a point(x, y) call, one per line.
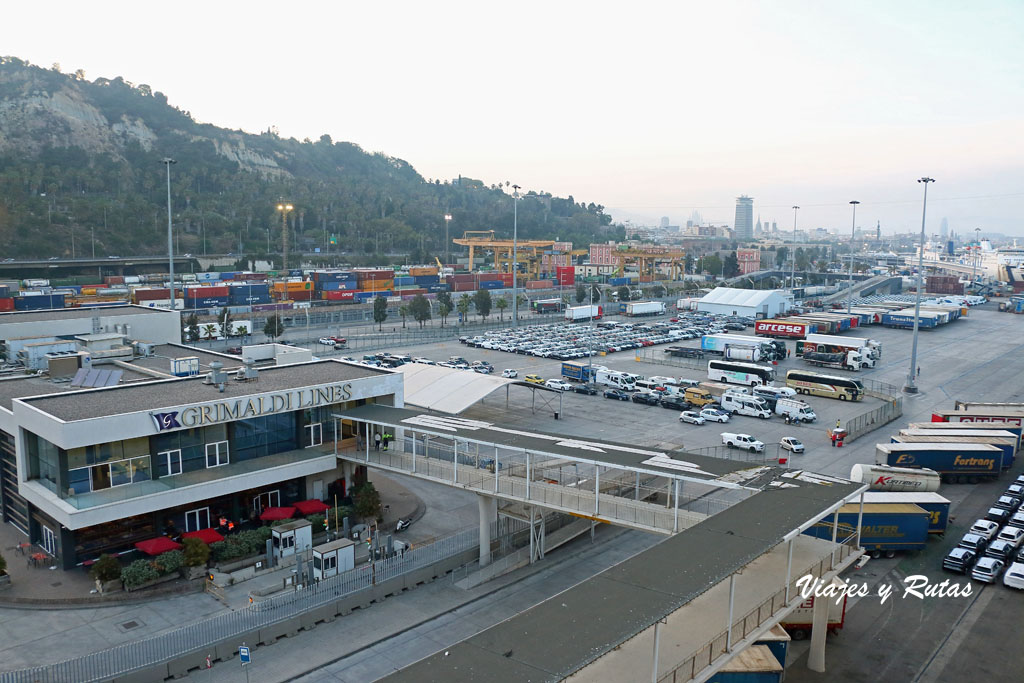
point(732, 372)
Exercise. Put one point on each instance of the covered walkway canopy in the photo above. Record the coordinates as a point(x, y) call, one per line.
point(448, 390)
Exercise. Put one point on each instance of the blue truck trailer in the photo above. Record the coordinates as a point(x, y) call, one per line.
point(884, 527)
point(935, 505)
point(1007, 444)
point(957, 463)
point(576, 371)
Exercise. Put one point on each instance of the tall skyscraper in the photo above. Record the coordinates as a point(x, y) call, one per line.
point(664, 221)
point(944, 228)
point(744, 223)
point(757, 228)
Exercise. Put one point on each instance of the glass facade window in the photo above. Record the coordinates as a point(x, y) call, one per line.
point(260, 436)
point(43, 460)
point(185, 450)
point(107, 475)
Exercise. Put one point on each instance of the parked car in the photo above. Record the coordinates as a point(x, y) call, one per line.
point(973, 542)
point(588, 389)
point(645, 397)
point(792, 444)
point(987, 569)
point(560, 385)
point(1010, 503)
point(744, 441)
point(1011, 534)
point(712, 415)
point(691, 417)
point(1014, 576)
point(1001, 550)
point(958, 560)
point(235, 350)
point(998, 515)
point(617, 394)
point(534, 379)
point(675, 403)
point(326, 341)
point(509, 373)
point(985, 528)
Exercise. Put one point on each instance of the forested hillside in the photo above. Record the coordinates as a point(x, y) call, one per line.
point(83, 158)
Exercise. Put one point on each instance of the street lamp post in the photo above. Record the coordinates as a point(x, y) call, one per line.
point(447, 255)
point(792, 257)
point(284, 209)
point(853, 231)
point(515, 256)
point(977, 255)
point(911, 386)
point(167, 161)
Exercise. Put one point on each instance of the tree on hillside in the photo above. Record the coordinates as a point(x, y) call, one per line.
point(380, 312)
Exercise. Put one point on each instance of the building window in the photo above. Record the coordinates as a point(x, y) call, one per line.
point(43, 460)
point(260, 436)
point(108, 475)
point(169, 462)
point(267, 499)
point(314, 435)
point(197, 519)
point(217, 454)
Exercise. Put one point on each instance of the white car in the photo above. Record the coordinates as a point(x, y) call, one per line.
point(713, 415)
point(1014, 576)
point(792, 444)
point(561, 385)
point(987, 570)
point(326, 341)
point(691, 416)
point(509, 373)
point(985, 528)
point(1011, 534)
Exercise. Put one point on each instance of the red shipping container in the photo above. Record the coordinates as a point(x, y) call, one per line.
point(157, 294)
point(6, 304)
point(506, 279)
point(463, 287)
point(339, 295)
point(486, 277)
point(466, 277)
point(203, 292)
point(374, 274)
point(566, 275)
point(114, 280)
point(539, 284)
point(300, 295)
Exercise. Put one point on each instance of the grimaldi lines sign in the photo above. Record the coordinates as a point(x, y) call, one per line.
point(252, 406)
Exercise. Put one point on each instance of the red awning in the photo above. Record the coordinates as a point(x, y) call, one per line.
point(158, 545)
point(207, 536)
point(311, 507)
point(274, 514)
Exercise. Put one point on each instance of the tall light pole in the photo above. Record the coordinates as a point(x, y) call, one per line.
point(853, 231)
point(977, 255)
point(515, 256)
point(792, 271)
point(167, 161)
point(284, 209)
point(447, 256)
point(911, 386)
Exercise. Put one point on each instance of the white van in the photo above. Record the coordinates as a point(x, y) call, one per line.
point(649, 385)
point(795, 410)
point(742, 404)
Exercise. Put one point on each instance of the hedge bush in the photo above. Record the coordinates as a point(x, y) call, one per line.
point(138, 573)
point(317, 520)
point(3, 565)
point(169, 562)
point(196, 553)
point(244, 544)
point(107, 568)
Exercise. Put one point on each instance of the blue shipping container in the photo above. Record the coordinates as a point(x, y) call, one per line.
point(618, 281)
point(404, 280)
point(440, 287)
point(492, 284)
point(207, 302)
point(423, 280)
point(39, 302)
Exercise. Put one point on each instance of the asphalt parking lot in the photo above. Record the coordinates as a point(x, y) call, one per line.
point(935, 639)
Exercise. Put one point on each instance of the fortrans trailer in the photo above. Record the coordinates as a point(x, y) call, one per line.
point(956, 463)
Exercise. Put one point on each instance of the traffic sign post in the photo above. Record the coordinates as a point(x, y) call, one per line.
point(245, 658)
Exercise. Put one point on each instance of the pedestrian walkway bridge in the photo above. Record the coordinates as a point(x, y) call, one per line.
point(603, 481)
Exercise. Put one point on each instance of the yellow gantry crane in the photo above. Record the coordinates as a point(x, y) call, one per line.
point(647, 262)
point(529, 251)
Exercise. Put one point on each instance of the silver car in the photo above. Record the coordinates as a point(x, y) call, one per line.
point(987, 570)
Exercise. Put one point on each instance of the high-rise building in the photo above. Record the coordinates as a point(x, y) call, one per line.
point(664, 221)
point(757, 228)
point(944, 227)
point(744, 223)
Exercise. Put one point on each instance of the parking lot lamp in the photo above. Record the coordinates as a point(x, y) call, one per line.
point(911, 385)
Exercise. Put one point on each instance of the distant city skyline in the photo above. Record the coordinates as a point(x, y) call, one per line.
point(853, 101)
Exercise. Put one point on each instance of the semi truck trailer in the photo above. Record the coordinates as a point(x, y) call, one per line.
point(884, 527)
point(896, 479)
point(955, 463)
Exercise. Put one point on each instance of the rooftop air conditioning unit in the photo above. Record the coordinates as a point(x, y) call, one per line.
point(248, 373)
point(146, 349)
point(216, 376)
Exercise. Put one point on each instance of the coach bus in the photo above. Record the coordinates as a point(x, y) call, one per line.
point(829, 386)
point(740, 373)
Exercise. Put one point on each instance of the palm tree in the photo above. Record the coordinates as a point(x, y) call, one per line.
point(443, 310)
point(501, 303)
point(403, 311)
point(209, 331)
point(463, 307)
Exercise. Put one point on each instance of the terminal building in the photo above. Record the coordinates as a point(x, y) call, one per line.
point(90, 469)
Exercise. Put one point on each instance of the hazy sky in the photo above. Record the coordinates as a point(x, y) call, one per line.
point(650, 109)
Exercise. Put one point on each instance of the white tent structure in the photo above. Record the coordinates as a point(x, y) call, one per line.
point(448, 390)
point(754, 303)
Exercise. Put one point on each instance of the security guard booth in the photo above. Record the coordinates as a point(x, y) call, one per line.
point(291, 537)
point(330, 559)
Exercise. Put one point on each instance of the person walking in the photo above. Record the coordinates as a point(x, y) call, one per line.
point(376, 441)
point(918, 370)
point(838, 423)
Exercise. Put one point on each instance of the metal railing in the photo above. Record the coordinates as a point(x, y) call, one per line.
point(659, 356)
point(145, 653)
point(873, 419)
point(705, 655)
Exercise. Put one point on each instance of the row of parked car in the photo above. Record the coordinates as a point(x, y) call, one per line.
point(992, 547)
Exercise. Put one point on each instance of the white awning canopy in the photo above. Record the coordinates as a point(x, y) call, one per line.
point(449, 390)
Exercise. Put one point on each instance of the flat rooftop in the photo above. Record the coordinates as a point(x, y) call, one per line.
point(78, 313)
point(550, 641)
point(168, 393)
point(163, 353)
point(612, 453)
